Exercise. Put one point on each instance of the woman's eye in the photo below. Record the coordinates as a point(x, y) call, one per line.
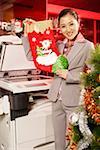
point(71, 24)
point(63, 26)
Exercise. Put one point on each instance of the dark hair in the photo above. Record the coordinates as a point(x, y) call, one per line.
point(67, 11)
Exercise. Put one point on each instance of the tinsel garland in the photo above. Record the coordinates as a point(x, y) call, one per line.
point(81, 119)
point(83, 126)
point(87, 134)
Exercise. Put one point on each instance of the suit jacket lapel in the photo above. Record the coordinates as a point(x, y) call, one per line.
point(75, 50)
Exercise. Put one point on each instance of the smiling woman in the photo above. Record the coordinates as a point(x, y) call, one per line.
point(65, 89)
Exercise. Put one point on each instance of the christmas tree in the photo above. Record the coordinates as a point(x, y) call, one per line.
point(84, 129)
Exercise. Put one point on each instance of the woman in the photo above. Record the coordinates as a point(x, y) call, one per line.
point(65, 90)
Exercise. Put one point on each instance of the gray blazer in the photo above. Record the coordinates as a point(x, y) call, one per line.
point(70, 88)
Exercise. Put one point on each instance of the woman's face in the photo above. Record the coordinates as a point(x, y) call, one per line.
point(69, 26)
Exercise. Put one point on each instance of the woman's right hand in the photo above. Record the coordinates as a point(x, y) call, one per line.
point(62, 73)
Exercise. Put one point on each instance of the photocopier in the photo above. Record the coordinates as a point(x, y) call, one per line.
point(25, 111)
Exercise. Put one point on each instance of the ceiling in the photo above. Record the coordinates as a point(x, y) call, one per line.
point(91, 5)
point(6, 2)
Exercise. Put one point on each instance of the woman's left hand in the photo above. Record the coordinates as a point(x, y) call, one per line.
point(62, 73)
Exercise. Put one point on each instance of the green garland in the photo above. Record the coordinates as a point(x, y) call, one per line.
point(95, 58)
point(86, 132)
